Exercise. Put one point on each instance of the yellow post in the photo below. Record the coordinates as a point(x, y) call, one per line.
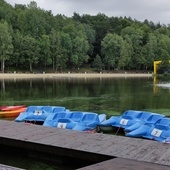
point(155, 66)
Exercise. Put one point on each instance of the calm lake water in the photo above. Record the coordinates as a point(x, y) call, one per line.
point(102, 95)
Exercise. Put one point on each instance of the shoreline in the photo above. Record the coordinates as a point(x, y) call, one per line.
point(70, 75)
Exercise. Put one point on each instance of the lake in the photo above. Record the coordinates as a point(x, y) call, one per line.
point(101, 95)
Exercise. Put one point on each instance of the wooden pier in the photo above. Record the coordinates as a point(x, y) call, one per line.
point(124, 164)
point(4, 167)
point(101, 150)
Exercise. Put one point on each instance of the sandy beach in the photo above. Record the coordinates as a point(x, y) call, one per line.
point(70, 75)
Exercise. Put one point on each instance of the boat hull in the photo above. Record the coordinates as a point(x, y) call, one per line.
point(106, 128)
point(11, 108)
point(11, 113)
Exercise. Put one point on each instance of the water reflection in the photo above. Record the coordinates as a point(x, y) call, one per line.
point(88, 94)
point(101, 95)
point(161, 83)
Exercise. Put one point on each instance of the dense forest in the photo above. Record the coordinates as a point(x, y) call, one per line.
point(32, 39)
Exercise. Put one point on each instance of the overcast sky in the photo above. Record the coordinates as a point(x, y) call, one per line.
point(152, 10)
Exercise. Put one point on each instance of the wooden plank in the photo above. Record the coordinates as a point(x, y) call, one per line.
point(5, 167)
point(124, 164)
point(53, 140)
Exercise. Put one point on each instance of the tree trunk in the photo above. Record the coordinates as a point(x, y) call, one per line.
point(2, 65)
point(53, 64)
point(3, 86)
point(30, 67)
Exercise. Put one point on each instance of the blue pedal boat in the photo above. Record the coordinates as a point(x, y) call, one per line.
point(129, 118)
point(158, 131)
point(37, 114)
point(150, 120)
point(89, 122)
point(119, 122)
point(23, 115)
point(61, 119)
point(80, 121)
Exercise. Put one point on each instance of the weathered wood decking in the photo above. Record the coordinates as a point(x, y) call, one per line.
point(125, 164)
point(5, 167)
point(94, 147)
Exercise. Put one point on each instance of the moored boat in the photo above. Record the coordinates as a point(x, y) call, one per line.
point(2, 107)
point(118, 123)
point(89, 122)
point(10, 108)
point(12, 113)
point(129, 118)
point(75, 120)
point(158, 131)
point(154, 117)
point(52, 119)
point(38, 114)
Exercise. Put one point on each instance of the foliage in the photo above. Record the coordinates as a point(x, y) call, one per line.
point(6, 46)
point(111, 50)
point(37, 39)
point(30, 51)
point(97, 63)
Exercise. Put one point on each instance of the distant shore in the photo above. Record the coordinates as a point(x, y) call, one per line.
point(70, 75)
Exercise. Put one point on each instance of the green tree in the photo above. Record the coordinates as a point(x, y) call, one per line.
point(65, 48)
point(79, 52)
point(91, 34)
point(111, 50)
point(80, 46)
point(125, 56)
point(60, 45)
point(149, 51)
point(163, 47)
point(6, 47)
point(30, 51)
point(134, 36)
point(53, 47)
point(6, 11)
point(45, 57)
point(100, 23)
point(16, 57)
point(97, 63)
point(33, 20)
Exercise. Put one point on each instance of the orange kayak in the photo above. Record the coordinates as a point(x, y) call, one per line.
point(10, 108)
point(11, 113)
